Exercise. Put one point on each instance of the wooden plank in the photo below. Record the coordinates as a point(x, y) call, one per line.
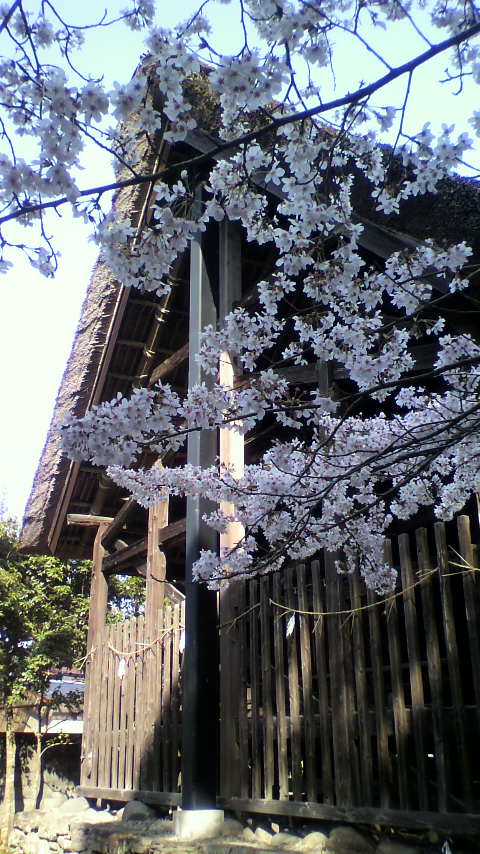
point(356, 795)
point(88, 520)
point(243, 728)
point(282, 724)
point(175, 715)
point(173, 799)
point(361, 690)
point(229, 747)
point(130, 640)
point(434, 669)
point(109, 678)
point(453, 661)
point(415, 667)
point(255, 688)
point(95, 638)
point(398, 693)
point(310, 760)
point(325, 720)
point(139, 718)
point(169, 364)
point(445, 823)
point(266, 667)
point(157, 780)
point(294, 688)
point(166, 697)
point(154, 599)
point(470, 589)
point(340, 710)
point(381, 728)
point(117, 638)
point(122, 641)
point(118, 522)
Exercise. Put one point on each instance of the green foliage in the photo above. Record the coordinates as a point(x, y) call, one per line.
point(43, 616)
point(126, 597)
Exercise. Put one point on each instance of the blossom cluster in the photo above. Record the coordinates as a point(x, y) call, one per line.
point(287, 167)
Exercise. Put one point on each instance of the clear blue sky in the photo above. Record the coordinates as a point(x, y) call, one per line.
point(38, 316)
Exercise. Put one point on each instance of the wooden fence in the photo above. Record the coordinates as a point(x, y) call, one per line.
point(362, 702)
point(132, 734)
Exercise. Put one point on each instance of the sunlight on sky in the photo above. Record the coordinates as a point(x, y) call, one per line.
point(38, 316)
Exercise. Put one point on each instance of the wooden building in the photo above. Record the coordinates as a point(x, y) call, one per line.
point(369, 713)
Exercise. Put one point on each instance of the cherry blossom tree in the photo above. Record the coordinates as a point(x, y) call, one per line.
point(396, 439)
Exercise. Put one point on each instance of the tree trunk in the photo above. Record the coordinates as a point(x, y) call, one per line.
point(9, 796)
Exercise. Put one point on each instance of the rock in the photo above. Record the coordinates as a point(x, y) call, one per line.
point(315, 841)
point(72, 806)
point(248, 834)
point(90, 817)
point(275, 828)
point(347, 840)
point(232, 827)
point(137, 811)
point(77, 840)
point(285, 840)
point(52, 799)
point(263, 836)
point(392, 846)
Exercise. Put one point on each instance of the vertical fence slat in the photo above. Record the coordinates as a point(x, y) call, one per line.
point(434, 668)
point(111, 661)
point(470, 588)
point(399, 709)
point(282, 726)
point(117, 683)
point(166, 699)
point(267, 716)
point(130, 640)
point(174, 642)
point(255, 688)
point(228, 674)
point(243, 733)
point(361, 688)
point(138, 658)
point(325, 717)
point(157, 723)
point(453, 662)
point(415, 668)
point(293, 690)
point(306, 664)
point(383, 755)
point(340, 710)
point(351, 719)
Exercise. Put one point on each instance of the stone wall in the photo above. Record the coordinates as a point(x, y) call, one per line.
point(61, 773)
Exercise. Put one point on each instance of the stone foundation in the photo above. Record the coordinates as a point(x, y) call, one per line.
point(75, 828)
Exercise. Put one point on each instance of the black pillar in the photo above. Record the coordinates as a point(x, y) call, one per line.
point(201, 665)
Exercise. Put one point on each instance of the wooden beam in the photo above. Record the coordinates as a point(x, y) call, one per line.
point(118, 522)
point(172, 799)
point(136, 552)
point(88, 520)
point(466, 824)
point(169, 364)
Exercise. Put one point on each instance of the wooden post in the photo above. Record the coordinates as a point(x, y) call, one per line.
point(154, 596)
point(200, 683)
point(232, 455)
point(96, 626)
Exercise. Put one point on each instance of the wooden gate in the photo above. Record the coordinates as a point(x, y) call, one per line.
point(337, 698)
point(132, 731)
